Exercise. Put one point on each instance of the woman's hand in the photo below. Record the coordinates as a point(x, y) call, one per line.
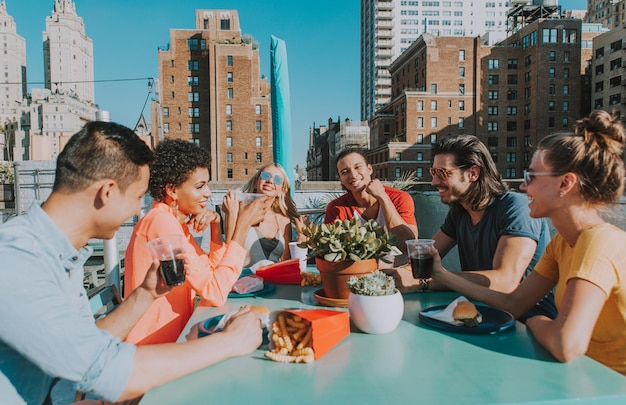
point(230, 204)
point(200, 221)
point(301, 222)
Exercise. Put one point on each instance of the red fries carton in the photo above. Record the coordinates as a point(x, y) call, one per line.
point(287, 272)
point(329, 327)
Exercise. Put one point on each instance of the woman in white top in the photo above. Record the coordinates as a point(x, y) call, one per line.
point(268, 240)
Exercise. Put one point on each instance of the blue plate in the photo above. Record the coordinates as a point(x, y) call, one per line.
point(494, 321)
point(267, 288)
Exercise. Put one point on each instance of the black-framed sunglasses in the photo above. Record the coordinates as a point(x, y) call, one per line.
point(265, 176)
point(529, 176)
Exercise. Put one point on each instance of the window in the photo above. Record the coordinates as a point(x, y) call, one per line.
point(461, 71)
point(433, 122)
point(565, 122)
point(229, 109)
point(527, 77)
point(257, 109)
point(229, 173)
point(173, 94)
point(461, 55)
point(511, 141)
point(258, 126)
point(511, 172)
point(566, 73)
point(229, 141)
point(565, 89)
point(258, 141)
point(166, 128)
point(420, 138)
point(511, 157)
point(229, 77)
point(549, 35)
point(461, 105)
point(419, 172)
point(461, 122)
point(511, 95)
point(192, 65)
point(615, 64)
point(192, 80)
point(420, 156)
point(599, 86)
point(229, 157)
point(259, 157)
point(492, 141)
point(527, 109)
point(433, 88)
point(230, 93)
point(433, 105)
point(615, 99)
point(511, 110)
point(166, 112)
point(192, 44)
point(565, 105)
point(229, 125)
point(493, 79)
point(492, 126)
point(511, 126)
point(493, 64)
point(398, 156)
point(552, 73)
point(492, 110)
point(194, 112)
point(420, 122)
point(420, 105)
point(552, 56)
point(550, 105)
point(550, 122)
point(397, 172)
point(193, 97)
point(492, 94)
point(512, 63)
point(225, 24)
point(194, 128)
point(528, 60)
point(570, 36)
point(433, 139)
point(494, 157)
point(229, 60)
point(552, 89)
point(599, 70)
point(172, 79)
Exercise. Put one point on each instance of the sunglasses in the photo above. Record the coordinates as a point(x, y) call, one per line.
point(265, 176)
point(529, 176)
point(441, 172)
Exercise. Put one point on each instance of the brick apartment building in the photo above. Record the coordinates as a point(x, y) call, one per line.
point(510, 95)
point(210, 91)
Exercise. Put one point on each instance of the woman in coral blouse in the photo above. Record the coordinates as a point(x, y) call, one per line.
point(179, 186)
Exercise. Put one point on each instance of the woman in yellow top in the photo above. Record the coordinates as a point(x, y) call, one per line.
point(571, 179)
point(179, 185)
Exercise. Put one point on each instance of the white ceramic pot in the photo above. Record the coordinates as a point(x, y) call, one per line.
point(376, 315)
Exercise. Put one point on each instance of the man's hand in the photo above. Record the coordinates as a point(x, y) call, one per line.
point(376, 189)
point(153, 282)
point(245, 331)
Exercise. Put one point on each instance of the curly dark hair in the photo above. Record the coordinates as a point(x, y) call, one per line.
point(175, 160)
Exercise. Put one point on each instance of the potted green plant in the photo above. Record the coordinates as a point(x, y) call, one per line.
point(346, 248)
point(375, 304)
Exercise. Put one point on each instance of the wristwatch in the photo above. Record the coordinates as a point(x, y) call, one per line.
point(424, 284)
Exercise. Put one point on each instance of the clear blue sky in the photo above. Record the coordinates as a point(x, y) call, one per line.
point(322, 39)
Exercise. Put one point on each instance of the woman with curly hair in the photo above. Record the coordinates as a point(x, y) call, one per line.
point(573, 177)
point(267, 240)
point(179, 185)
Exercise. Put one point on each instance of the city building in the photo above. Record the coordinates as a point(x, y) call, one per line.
point(210, 92)
point(609, 13)
point(436, 83)
point(510, 95)
point(389, 27)
point(608, 80)
point(36, 126)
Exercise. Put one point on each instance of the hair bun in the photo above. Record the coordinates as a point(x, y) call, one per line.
point(603, 128)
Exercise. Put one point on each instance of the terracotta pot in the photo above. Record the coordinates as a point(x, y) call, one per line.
point(376, 314)
point(335, 275)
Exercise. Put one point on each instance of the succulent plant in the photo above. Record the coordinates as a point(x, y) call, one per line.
point(375, 283)
point(349, 240)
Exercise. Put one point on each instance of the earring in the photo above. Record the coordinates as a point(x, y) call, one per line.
point(561, 194)
point(174, 207)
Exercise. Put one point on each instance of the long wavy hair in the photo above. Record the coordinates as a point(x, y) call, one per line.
point(594, 152)
point(469, 151)
point(283, 204)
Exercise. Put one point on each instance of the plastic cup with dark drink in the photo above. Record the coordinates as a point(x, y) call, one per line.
point(420, 257)
point(167, 250)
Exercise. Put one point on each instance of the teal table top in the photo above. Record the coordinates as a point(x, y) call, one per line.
point(413, 364)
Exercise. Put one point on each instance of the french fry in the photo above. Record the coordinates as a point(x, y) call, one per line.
point(291, 336)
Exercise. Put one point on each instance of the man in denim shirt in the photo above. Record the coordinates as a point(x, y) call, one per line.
point(47, 330)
